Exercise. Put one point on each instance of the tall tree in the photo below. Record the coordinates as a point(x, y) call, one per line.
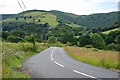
point(97, 41)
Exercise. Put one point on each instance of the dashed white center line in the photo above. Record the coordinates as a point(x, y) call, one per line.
point(59, 64)
point(51, 55)
point(51, 58)
point(73, 70)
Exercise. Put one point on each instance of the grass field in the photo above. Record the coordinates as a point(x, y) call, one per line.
point(107, 32)
point(45, 17)
point(107, 59)
point(13, 54)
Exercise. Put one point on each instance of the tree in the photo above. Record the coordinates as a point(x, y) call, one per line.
point(117, 39)
point(97, 41)
point(17, 33)
point(25, 18)
point(109, 39)
point(112, 46)
point(39, 20)
point(46, 25)
point(16, 18)
point(52, 39)
point(5, 35)
point(67, 37)
point(30, 16)
point(85, 40)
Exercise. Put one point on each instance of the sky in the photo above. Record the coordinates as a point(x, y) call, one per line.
point(80, 7)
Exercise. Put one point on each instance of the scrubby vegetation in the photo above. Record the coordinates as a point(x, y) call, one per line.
point(13, 54)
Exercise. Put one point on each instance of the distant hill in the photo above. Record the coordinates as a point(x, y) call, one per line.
point(98, 20)
point(101, 20)
point(6, 16)
point(90, 21)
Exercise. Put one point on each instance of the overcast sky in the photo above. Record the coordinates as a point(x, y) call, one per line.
point(80, 7)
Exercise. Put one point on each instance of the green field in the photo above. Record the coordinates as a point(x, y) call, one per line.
point(107, 32)
point(44, 17)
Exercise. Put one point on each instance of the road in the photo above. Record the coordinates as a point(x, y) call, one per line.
point(55, 63)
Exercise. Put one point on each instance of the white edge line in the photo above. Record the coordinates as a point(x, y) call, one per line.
point(84, 74)
point(59, 64)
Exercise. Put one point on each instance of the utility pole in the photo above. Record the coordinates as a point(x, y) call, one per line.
point(34, 34)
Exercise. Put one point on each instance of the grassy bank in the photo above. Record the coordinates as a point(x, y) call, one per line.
point(107, 59)
point(13, 54)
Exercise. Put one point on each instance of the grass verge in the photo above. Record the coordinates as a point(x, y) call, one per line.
point(13, 54)
point(106, 59)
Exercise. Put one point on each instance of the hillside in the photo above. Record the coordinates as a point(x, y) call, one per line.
point(98, 20)
point(107, 32)
point(40, 18)
point(6, 16)
point(90, 21)
point(101, 20)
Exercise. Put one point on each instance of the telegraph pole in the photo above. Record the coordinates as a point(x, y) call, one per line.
point(34, 34)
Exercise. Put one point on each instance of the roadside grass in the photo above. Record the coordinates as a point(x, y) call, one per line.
point(106, 59)
point(13, 54)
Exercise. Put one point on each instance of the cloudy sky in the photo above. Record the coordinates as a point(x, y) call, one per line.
point(80, 7)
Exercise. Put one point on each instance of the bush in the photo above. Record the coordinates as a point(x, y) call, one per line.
point(69, 44)
point(26, 46)
point(28, 38)
point(112, 46)
point(95, 49)
point(52, 39)
point(88, 46)
point(15, 39)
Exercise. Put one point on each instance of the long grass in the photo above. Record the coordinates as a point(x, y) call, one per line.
point(13, 54)
point(107, 59)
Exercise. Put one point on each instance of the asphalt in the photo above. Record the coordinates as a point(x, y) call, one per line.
point(55, 63)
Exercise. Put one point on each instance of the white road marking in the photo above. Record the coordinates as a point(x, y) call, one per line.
point(86, 74)
point(51, 55)
point(52, 59)
point(73, 70)
point(59, 64)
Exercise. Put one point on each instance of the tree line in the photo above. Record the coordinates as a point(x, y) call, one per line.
point(72, 36)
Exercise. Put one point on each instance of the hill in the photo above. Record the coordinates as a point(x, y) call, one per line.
point(40, 18)
point(90, 21)
point(98, 20)
point(101, 20)
point(6, 16)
